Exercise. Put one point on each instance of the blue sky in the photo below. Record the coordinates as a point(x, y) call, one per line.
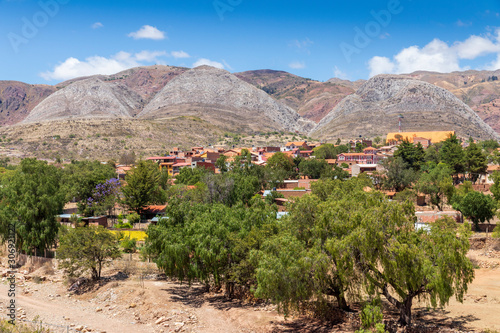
point(49, 41)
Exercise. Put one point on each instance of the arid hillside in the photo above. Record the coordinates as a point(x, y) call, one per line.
point(17, 99)
point(222, 99)
point(478, 89)
point(376, 106)
point(311, 99)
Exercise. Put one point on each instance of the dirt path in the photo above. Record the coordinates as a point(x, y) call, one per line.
point(131, 306)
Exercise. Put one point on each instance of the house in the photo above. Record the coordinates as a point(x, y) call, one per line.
point(176, 168)
point(121, 171)
point(434, 136)
point(487, 178)
point(165, 162)
point(353, 143)
point(96, 221)
point(202, 164)
point(370, 150)
point(305, 153)
point(357, 169)
point(151, 211)
point(423, 141)
point(357, 158)
point(269, 149)
point(297, 145)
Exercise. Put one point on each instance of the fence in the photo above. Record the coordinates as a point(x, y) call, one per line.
point(23, 259)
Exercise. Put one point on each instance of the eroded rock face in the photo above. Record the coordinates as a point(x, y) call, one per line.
point(221, 98)
point(374, 109)
point(89, 98)
point(17, 99)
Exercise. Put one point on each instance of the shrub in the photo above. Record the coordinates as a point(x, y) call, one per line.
point(129, 245)
point(372, 318)
point(134, 218)
point(496, 231)
point(123, 225)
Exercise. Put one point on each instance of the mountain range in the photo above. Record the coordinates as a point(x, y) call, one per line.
point(264, 100)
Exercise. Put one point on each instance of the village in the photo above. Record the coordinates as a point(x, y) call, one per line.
point(361, 156)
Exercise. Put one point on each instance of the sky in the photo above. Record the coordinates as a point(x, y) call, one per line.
point(49, 41)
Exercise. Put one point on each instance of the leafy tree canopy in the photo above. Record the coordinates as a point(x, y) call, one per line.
point(87, 249)
point(31, 199)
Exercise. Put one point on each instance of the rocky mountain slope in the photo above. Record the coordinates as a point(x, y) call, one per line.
point(145, 81)
point(375, 107)
point(88, 98)
point(223, 99)
point(311, 99)
point(478, 89)
point(17, 99)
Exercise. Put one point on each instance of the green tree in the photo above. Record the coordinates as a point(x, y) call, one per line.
point(411, 154)
point(80, 180)
point(325, 151)
point(190, 176)
point(30, 199)
point(87, 249)
point(377, 140)
point(432, 154)
point(314, 168)
point(221, 163)
point(398, 174)
point(476, 162)
point(210, 243)
point(360, 146)
point(438, 184)
point(489, 145)
point(282, 162)
point(476, 206)
point(495, 187)
point(144, 186)
point(403, 264)
point(452, 154)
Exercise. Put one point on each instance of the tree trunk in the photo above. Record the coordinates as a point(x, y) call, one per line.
point(343, 303)
point(405, 311)
point(403, 307)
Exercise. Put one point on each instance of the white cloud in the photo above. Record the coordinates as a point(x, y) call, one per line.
point(380, 65)
point(297, 65)
point(97, 25)
point(149, 56)
point(207, 62)
point(180, 54)
point(339, 74)
point(438, 56)
point(148, 32)
point(476, 46)
point(73, 67)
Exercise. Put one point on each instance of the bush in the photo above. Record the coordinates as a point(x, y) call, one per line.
point(129, 245)
point(134, 218)
point(121, 225)
point(496, 231)
point(372, 318)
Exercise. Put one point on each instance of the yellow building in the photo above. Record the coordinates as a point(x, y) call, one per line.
point(435, 136)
